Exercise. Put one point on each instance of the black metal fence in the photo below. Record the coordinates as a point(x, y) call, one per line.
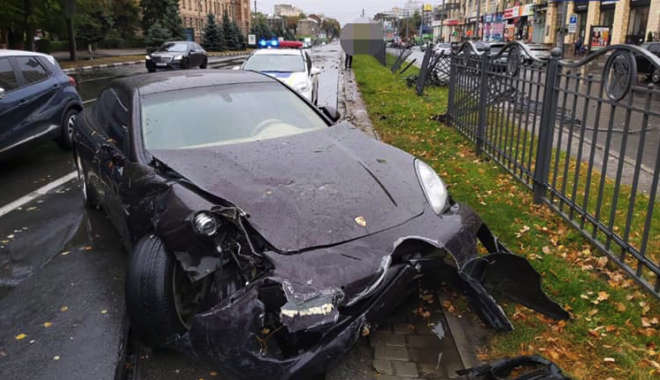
point(584, 138)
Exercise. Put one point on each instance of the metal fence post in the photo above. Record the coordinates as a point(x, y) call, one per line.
point(483, 94)
point(546, 131)
point(452, 87)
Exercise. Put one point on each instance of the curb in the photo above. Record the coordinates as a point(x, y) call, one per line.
point(139, 62)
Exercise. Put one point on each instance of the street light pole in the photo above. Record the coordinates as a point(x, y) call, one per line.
point(561, 33)
point(478, 17)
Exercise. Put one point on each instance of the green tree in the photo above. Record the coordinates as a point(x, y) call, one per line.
point(153, 10)
point(261, 29)
point(93, 23)
point(156, 36)
point(240, 39)
point(126, 17)
point(231, 37)
point(19, 19)
point(213, 37)
point(172, 20)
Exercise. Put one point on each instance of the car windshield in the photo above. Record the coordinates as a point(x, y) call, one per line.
point(645, 45)
point(174, 47)
point(286, 63)
point(220, 115)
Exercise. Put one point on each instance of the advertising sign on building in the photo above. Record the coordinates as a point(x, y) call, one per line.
point(600, 36)
point(572, 24)
point(496, 31)
point(428, 8)
point(488, 18)
point(252, 39)
point(511, 13)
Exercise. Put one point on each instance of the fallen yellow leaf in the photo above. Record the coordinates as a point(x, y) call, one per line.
point(21, 336)
point(64, 308)
point(47, 324)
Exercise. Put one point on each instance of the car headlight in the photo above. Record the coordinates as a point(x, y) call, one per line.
point(434, 189)
point(178, 58)
point(147, 57)
point(302, 87)
point(205, 223)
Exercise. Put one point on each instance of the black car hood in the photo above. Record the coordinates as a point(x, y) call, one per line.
point(308, 190)
point(168, 53)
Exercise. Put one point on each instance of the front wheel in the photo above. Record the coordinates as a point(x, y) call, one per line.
point(655, 76)
point(204, 64)
point(151, 70)
point(160, 299)
point(89, 198)
point(66, 138)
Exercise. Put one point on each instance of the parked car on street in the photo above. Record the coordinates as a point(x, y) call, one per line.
point(265, 237)
point(644, 66)
point(539, 51)
point(442, 48)
point(177, 55)
point(293, 67)
point(38, 101)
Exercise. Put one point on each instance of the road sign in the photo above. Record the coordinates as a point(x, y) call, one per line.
point(572, 24)
point(252, 39)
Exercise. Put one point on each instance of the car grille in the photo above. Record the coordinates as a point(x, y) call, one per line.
point(162, 59)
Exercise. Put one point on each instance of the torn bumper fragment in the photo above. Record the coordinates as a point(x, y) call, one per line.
point(314, 305)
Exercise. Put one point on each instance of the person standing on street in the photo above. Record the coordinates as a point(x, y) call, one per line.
point(349, 61)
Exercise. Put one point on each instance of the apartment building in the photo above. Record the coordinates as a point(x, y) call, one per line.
point(287, 10)
point(598, 23)
point(193, 13)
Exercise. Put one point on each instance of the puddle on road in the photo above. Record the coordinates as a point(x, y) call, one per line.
point(31, 236)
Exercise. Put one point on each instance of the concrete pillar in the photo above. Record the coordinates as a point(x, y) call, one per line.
point(620, 24)
point(654, 20)
point(570, 38)
point(593, 18)
point(550, 32)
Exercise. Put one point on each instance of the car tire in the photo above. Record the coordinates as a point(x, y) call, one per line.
point(65, 141)
point(151, 70)
point(89, 198)
point(204, 64)
point(185, 64)
point(150, 294)
point(655, 76)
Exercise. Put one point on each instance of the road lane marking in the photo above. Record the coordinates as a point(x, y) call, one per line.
point(6, 209)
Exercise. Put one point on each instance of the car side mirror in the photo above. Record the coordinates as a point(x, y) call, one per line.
point(2, 92)
point(331, 113)
point(315, 71)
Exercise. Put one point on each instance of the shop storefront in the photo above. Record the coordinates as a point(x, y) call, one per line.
point(453, 30)
point(539, 29)
point(527, 22)
point(512, 18)
point(637, 20)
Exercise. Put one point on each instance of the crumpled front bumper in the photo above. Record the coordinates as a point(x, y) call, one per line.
point(316, 288)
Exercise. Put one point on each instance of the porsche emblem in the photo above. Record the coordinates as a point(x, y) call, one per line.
point(361, 221)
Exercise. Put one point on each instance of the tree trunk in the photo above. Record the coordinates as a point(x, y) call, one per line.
point(73, 55)
point(29, 28)
point(89, 50)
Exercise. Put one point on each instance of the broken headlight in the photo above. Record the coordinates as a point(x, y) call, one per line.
point(434, 189)
point(205, 223)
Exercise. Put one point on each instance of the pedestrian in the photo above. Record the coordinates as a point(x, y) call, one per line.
point(578, 46)
point(349, 61)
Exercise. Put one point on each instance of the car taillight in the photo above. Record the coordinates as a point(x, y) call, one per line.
point(72, 81)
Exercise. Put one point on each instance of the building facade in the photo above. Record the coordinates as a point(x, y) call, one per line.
point(308, 28)
point(287, 10)
point(193, 13)
point(595, 23)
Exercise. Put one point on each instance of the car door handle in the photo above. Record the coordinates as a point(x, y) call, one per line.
point(56, 85)
point(23, 102)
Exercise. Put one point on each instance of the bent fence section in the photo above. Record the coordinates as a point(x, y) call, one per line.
point(584, 139)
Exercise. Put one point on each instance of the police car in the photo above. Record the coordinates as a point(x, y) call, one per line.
point(291, 66)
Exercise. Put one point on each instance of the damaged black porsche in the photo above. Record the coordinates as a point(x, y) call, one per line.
point(263, 237)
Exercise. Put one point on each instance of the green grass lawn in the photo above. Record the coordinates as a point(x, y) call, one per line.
point(614, 330)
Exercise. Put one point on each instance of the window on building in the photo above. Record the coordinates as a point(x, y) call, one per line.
point(637, 20)
point(607, 17)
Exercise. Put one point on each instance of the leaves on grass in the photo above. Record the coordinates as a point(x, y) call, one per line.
point(20, 336)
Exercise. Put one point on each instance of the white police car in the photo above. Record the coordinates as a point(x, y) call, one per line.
point(291, 66)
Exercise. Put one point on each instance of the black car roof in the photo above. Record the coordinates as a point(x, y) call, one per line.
point(177, 80)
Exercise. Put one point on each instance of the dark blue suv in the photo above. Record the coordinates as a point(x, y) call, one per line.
point(37, 101)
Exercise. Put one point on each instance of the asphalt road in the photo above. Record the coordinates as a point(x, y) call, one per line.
point(62, 267)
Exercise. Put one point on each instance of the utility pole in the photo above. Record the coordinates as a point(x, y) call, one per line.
point(561, 33)
point(476, 33)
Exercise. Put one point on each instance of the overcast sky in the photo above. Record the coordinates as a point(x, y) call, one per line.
point(343, 10)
